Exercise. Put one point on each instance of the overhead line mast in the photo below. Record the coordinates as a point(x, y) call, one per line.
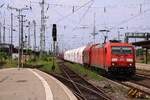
point(0, 32)
point(4, 29)
point(42, 34)
point(11, 34)
point(29, 40)
point(94, 29)
point(20, 48)
point(34, 23)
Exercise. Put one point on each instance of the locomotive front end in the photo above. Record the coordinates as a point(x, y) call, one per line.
point(122, 60)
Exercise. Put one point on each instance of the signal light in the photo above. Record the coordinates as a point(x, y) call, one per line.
point(54, 32)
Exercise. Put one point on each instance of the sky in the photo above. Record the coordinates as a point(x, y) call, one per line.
point(75, 19)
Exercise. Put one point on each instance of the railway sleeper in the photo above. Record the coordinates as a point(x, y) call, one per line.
point(135, 93)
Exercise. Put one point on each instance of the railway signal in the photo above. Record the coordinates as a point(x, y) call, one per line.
point(54, 32)
point(54, 35)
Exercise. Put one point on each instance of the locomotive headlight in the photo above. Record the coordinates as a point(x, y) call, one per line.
point(129, 60)
point(113, 64)
point(114, 59)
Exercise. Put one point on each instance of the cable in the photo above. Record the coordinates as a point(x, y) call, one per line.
point(74, 11)
point(129, 19)
point(72, 21)
point(84, 15)
point(86, 12)
point(61, 5)
point(109, 6)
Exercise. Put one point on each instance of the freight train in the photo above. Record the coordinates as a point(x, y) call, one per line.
point(113, 56)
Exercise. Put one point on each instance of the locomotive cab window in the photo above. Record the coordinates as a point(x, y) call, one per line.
point(121, 50)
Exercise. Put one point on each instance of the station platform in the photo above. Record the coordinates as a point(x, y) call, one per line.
point(31, 84)
point(142, 66)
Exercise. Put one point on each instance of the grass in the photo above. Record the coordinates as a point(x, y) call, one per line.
point(9, 64)
point(46, 65)
point(84, 72)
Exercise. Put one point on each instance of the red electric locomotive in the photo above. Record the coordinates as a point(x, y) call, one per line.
point(114, 57)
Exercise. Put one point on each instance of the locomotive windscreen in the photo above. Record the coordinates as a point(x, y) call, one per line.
point(121, 50)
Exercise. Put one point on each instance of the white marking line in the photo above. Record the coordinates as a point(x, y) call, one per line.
point(48, 92)
point(67, 91)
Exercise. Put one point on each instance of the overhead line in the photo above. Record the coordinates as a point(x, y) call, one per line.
point(84, 15)
point(72, 21)
point(110, 6)
point(74, 11)
point(129, 19)
point(86, 11)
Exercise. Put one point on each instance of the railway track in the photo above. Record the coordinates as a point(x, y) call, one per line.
point(86, 91)
point(140, 82)
point(144, 80)
point(80, 87)
point(143, 74)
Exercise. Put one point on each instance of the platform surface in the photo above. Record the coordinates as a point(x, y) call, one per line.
point(31, 84)
point(142, 66)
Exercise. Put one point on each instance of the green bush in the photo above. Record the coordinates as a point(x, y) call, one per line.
point(3, 56)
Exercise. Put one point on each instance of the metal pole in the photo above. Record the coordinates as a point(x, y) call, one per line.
point(42, 35)
point(0, 32)
point(94, 39)
point(118, 35)
point(34, 35)
point(28, 34)
point(19, 58)
point(146, 56)
point(19, 52)
point(22, 40)
point(51, 48)
point(53, 51)
point(53, 66)
point(94, 30)
point(4, 31)
point(11, 35)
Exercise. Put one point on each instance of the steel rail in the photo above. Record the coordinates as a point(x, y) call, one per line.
point(75, 86)
point(96, 90)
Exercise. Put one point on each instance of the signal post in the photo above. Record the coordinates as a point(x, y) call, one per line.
point(54, 35)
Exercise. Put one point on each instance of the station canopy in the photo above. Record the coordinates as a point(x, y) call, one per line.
point(143, 44)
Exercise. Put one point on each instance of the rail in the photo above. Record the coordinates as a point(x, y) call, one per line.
point(82, 89)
